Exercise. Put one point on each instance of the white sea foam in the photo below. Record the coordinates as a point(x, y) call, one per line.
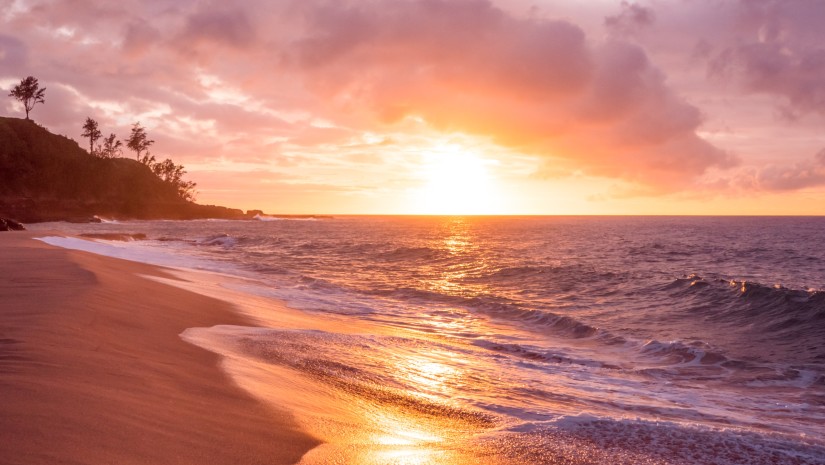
point(134, 251)
point(106, 220)
point(282, 218)
point(586, 437)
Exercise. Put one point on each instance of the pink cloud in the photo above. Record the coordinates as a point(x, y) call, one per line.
point(810, 173)
point(207, 30)
point(632, 17)
point(778, 51)
point(13, 54)
point(537, 85)
point(138, 38)
point(533, 84)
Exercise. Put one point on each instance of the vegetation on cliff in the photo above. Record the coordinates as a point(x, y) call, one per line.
point(45, 177)
point(29, 93)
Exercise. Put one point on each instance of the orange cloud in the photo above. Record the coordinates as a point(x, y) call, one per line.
point(532, 84)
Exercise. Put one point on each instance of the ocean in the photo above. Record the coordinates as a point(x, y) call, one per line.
point(673, 340)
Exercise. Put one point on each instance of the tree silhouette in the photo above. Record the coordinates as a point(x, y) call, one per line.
point(29, 93)
point(111, 147)
point(91, 131)
point(138, 140)
point(148, 160)
point(186, 190)
point(169, 172)
point(173, 174)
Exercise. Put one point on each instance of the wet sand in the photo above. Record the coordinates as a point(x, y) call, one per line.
point(93, 371)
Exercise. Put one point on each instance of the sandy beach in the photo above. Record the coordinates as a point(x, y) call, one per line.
point(93, 371)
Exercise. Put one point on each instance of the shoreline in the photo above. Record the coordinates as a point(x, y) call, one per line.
point(358, 390)
point(94, 371)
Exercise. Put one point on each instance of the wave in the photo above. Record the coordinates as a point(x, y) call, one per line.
point(775, 309)
point(173, 239)
point(539, 355)
point(587, 438)
point(267, 218)
point(261, 217)
point(318, 284)
point(122, 237)
point(554, 281)
point(412, 253)
point(667, 360)
point(503, 309)
point(532, 319)
point(101, 219)
point(519, 273)
point(682, 353)
point(672, 359)
point(250, 244)
point(223, 240)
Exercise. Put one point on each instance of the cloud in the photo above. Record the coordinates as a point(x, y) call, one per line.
point(532, 84)
point(230, 28)
point(801, 175)
point(139, 38)
point(796, 75)
point(778, 50)
point(13, 55)
point(630, 20)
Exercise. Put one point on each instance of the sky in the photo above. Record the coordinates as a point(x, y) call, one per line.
point(447, 106)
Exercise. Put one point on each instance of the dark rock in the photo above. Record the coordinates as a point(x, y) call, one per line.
point(7, 224)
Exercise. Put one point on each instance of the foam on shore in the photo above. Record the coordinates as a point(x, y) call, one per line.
point(126, 251)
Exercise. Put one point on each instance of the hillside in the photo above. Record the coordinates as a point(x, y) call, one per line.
point(47, 177)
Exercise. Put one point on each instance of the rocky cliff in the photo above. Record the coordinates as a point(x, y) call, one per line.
point(47, 177)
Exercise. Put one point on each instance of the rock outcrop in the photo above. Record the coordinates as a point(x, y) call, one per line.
point(48, 177)
point(7, 224)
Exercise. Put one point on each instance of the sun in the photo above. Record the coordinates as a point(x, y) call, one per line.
point(457, 182)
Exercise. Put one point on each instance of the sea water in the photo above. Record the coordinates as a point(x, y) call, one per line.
point(521, 340)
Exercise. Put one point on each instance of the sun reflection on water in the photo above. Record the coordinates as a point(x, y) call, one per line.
point(458, 241)
point(428, 376)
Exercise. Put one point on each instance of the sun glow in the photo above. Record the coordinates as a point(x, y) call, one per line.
point(457, 182)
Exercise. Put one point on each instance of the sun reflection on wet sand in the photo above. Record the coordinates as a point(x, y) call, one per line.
point(393, 434)
point(404, 441)
point(418, 432)
point(399, 436)
point(407, 416)
point(429, 376)
point(419, 424)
